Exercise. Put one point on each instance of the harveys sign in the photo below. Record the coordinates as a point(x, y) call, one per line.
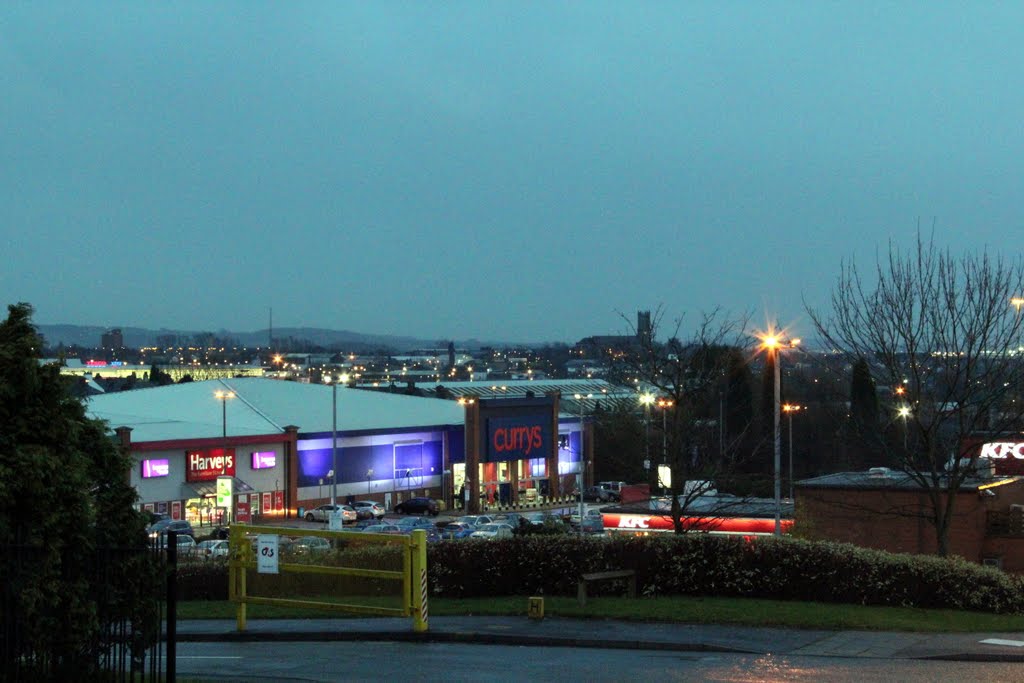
point(721, 525)
point(209, 464)
point(518, 438)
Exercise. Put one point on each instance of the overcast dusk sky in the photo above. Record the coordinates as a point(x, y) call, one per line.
point(502, 170)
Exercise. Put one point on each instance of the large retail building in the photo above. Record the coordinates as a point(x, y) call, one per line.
point(248, 448)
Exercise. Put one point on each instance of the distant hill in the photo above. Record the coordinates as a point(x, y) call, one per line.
point(135, 337)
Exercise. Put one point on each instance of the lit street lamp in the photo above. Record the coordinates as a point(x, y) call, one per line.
point(773, 344)
point(664, 404)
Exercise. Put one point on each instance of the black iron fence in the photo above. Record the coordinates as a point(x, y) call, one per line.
point(100, 616)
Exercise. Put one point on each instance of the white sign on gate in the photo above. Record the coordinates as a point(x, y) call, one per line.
point(266, 554)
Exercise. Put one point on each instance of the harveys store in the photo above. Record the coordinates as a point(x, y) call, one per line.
point(213, 481)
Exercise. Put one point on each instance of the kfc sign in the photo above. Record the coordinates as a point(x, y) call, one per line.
point(1002, 450)
point(1007, 456)
point(209, 464)
point(518, 438)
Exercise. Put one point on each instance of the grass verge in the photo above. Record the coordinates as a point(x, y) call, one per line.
point(679, 609)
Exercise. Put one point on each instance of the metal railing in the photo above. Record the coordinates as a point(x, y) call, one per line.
point(110, 628)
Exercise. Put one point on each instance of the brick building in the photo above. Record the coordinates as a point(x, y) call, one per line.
point(887, 510)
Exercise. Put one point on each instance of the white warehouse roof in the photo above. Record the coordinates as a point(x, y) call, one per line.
point(263, 406)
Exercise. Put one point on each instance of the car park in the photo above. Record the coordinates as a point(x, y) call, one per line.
point(323, 513)
point(368, 509)
point(418, 506)
point(415, 523)
point(492, 532)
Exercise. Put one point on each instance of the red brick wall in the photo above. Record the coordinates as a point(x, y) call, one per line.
point(896, 521)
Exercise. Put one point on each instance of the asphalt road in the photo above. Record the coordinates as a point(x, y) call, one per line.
point(449, 663)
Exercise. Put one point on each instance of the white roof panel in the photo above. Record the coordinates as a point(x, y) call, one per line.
point(263, 406)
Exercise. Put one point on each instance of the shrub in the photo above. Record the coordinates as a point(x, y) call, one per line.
point(702, 564)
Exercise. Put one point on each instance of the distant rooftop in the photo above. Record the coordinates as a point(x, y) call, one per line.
point(885, 478)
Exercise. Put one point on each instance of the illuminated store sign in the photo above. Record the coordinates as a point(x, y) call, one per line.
point(155, 468)
point(518, 438)
point(209, 464)
point(264, 460)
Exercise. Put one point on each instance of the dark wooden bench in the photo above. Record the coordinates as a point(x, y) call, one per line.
point(581, 590)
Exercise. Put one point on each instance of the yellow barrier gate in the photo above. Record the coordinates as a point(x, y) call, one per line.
point(413, 574)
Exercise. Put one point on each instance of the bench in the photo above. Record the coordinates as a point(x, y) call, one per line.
point(581, 590)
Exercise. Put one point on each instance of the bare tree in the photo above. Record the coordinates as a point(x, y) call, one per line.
point(939, 331)
point(684, 382)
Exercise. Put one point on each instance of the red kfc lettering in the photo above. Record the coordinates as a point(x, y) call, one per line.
point(634, 522)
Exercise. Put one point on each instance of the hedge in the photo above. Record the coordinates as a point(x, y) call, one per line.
point(689, 564)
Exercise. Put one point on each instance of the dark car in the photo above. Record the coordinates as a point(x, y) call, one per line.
point(598, 494)
point(457, 530)
point(418, 506)
point(159, 529)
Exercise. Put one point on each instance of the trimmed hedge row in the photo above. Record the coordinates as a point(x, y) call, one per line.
point(701, 564)
point(690, 564)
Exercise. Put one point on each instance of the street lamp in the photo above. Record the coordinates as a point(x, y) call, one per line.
point(334, 434)
point(579, 403)
point(789, 409)
point(773, 344)
point(664, 404)
point(646, 400)
point(224, 397)
point(904, 412)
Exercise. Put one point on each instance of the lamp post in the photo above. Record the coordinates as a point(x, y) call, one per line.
point(646, 400)
point(224, 397)
point(580, 398)
point(789, 409)
point(664, 404)
point(334, 435)
point(773, 345)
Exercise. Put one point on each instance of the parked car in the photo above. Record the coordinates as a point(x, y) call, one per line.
point(541, 518)
point(159, 529)
point(186, 544)
point(211, 549)
point(307, 545)
point(414, 523)
point(420, 506)
point(492, 532)
point(592, 522)
point(457, 530)
point(597, 494)
point(383, 529)
point(613, 487)
point(323, 513)
point(477, 520)
point(368, 509)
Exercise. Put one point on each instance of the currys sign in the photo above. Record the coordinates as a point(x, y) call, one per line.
point(209, 464)
point(518, 438)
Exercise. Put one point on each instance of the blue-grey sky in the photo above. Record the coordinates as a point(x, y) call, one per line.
point(500, 170)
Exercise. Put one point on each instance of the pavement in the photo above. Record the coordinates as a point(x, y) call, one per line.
point(613, 634)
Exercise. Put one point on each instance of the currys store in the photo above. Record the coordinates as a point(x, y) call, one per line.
point(514, 452)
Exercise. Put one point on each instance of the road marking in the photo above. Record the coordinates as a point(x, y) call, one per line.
point(1000, 641)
